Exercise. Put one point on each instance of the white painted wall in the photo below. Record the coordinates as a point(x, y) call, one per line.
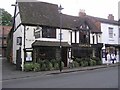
point(106, 39)
point(99, 38)
point(105, 33)
point(91, 38)
point(73, 37)
point(17, 33)
point(30, 38)
point(118, 35)
point(77, 41)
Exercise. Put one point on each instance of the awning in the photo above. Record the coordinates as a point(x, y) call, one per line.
point(39, 43)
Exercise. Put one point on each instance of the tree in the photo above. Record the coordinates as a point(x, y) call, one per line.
point(5, 18)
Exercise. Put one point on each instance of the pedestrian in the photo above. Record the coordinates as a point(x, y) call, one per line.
point(108, 58)
point(113, 57)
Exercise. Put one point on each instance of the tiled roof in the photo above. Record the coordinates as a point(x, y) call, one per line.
point(39, 13)
point(46, 14)
point(75, 21)
point(102, 20)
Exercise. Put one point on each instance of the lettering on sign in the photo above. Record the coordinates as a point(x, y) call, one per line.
point(84, 45)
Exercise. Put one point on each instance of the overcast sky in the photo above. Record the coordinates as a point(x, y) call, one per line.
point(97, 8)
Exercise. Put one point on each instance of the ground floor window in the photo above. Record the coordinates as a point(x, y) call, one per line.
point(50, 53)
point(81, 52)
point(45, 53)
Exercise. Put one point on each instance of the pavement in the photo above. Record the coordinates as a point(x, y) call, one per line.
point(9, 71)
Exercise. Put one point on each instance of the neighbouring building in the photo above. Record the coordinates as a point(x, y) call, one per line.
point(110, 37)
point(4, 31)
point(86, 37)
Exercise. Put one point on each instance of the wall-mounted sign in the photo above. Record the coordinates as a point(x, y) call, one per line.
point(19, 40)
point(84, 45)
point(28, 56)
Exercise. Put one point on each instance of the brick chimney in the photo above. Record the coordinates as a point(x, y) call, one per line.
point(82, 13)
point(110, 17)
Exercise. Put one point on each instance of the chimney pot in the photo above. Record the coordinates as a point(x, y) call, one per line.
point(110, 17)
point(82, 13)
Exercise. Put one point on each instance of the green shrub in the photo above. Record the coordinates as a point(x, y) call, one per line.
point(87, 59)
point(98, 61)
point(62, 64)
point(75, 64)
point(49, 66)
point(53, 61)
point(85, 63)
point(43, 66)
point(56, 66)
point(28, 66)
point(36, 67)
point(70, 65)
point(78, 60)
point(82, 64)
point(92, 62)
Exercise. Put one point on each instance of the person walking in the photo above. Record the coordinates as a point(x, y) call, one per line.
point(108, 58)
point(113, 57)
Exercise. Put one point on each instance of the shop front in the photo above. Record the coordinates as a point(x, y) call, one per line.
point(86, 51)
point(113, 49)
point(47, 50)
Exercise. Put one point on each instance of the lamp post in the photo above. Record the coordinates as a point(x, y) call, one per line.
point(60, 13)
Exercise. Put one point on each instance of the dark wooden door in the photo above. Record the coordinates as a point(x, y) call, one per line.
point(18, 59)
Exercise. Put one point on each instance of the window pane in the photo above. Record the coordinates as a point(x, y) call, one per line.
point(37, 33)
point(48, 32)
point(61, 36)
point(110, 32)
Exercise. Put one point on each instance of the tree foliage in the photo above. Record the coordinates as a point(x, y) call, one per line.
point(5, 18)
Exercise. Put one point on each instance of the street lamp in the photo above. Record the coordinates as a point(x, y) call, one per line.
point(60, 13)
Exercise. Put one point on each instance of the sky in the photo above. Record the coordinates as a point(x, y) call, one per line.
point(97, 8)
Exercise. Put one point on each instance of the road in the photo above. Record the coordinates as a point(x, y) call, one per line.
point(99, 78)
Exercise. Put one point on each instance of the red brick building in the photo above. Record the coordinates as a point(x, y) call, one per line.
point(4, 31)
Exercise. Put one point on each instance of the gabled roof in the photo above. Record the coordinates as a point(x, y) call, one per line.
point(46, 14)
point(73, 22)
point(39, 13)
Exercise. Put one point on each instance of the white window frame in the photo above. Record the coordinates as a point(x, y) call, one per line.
point(60, 36)
point(110, 31)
